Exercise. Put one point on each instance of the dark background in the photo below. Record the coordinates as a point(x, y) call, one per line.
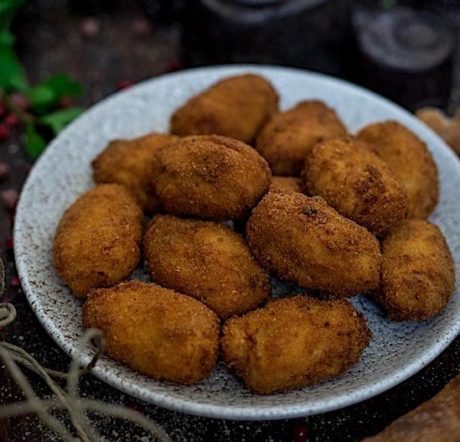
point(106, 45)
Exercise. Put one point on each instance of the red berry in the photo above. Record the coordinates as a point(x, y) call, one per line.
point(300, 433)
point(4, 170)
point(2, 109)
point(175, 65)
point(15, 282)
point(11, 120)
point(4, 132)
point(141, 26)
point(66, 102)
point(20, 101)
point(9, 198)
point(135, 408)
point(89, 27)
point(27, 168)
point(9, 245)
point(123, 84)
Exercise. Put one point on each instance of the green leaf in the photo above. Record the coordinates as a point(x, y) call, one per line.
point(64, 86)
point(61, 118)
point(48, 93)
point(8, 9)
point(11, 72)
point(6, 38)
point(41, 97)
point(388, 4)
point(35, 144)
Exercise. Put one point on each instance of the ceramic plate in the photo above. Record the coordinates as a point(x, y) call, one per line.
point(63, 172)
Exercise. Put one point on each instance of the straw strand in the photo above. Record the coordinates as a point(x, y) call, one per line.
point(68, 399)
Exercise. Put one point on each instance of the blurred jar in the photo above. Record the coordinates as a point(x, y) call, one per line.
point(404, 51)
point(303, 33)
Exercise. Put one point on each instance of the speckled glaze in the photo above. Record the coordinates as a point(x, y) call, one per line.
point(63, 172)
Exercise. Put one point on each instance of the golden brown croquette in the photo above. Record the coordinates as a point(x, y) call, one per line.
point(97, 242)
point(293, 342)
point(155, 331)
point(304, 240)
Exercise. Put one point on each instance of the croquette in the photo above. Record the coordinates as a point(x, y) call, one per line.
point(294, 342)
point(235, 107)
point(207, 261)
point(302, 239)
point(410, 161)
point(97, 242)
point(418, 276)
point(285, 184)
point(128, 162)
point(210, 177)
point(155, 331)
point(288, 137)
point(355, 182)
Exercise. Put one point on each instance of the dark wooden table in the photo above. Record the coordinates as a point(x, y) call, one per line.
point(100, 53)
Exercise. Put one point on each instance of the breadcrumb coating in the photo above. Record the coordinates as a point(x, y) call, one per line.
point(97, 242)
point(129, 162)
point(207, 261)
point(210, 176)
point(235, 107)
point(285, 184)
point(304, 240)
point(356, 182)
point(294, 342)
point(289, 136)
point(410, 161)
point(155, 331)
point(418, 276)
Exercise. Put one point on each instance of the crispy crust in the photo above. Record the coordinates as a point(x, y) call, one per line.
point(293, 342)
point(128, 162)
point(418, 276)
point(288, 137)
point(410, 161)
point(207, 261)
point(235, 107)
point(210, 176)
point(97, 242)
point(285, 184)
point(356, 182)
point(302, 239)
point(156, 331)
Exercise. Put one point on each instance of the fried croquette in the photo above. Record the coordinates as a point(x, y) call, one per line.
point(128, 162)
point(418, 276)
point(304, 240)
point(410, 161)
point(294, 342)
point(209, 176)
point(207, 261)
point(288, 137)
point(285, 184)
point(235, 107)
point(97, 242)
point(355, 182)
point(155, 331)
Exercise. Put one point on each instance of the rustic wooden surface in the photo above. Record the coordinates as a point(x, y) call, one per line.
point(99, 53)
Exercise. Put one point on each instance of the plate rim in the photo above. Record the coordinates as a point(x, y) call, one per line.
point(242, 412)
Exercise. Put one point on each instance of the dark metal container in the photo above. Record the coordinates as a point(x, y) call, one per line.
point(404, 54)
point(304, 33)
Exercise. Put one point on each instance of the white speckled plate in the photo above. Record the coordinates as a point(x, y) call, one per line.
point(397, 350)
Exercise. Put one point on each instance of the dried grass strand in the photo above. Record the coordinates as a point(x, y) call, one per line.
point(68, 399)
